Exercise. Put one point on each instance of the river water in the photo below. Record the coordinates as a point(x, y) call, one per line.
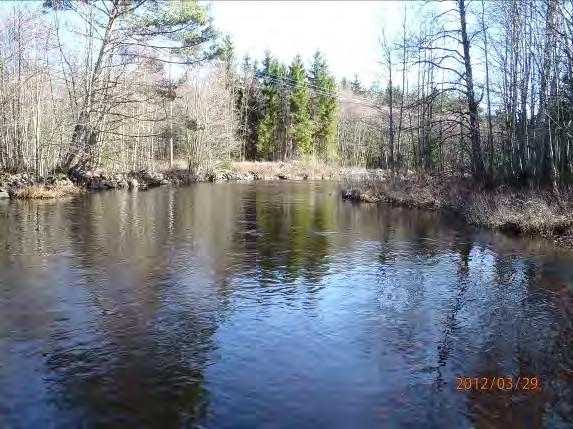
point(273, 305)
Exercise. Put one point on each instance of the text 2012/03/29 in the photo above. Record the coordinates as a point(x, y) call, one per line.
point(497, 383)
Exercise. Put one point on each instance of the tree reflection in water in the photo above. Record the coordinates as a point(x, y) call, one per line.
point(234, 305)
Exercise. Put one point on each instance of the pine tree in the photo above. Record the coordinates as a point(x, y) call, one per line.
point(324, 109)
point(179, 29)
point(301, 127)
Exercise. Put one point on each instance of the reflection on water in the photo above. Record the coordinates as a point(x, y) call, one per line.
point(273, 305)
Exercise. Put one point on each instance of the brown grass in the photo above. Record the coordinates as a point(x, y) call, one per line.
point(294, 168)
point(297, 170)
point(45, 192)
point(519, 211)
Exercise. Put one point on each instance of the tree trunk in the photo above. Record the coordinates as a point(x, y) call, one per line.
point(478, 169)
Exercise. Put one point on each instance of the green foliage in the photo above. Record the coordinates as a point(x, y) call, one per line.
point(227, 51)
point(301, 128)
point(356, 86)
point(267, 128)
point(185, 22)
point(174, 12)
point(224, 165)
point(325, 109)
point(296, 113)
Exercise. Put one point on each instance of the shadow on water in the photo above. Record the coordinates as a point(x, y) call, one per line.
point(242, 305)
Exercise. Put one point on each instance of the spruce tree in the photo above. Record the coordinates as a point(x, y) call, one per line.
point(324, 109)
point(248, 107)
point(356, 86)
point(301, 127)
point(267, 127)
point(283, 140)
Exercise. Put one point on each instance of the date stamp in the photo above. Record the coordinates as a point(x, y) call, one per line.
point(498, 383)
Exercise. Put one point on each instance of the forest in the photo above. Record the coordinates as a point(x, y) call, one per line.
point(471, 88)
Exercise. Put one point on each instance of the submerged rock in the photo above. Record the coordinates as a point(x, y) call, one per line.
point(153, 179)
point(356, 195)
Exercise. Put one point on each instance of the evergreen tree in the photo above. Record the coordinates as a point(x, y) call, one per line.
point(249, 108)
point(283, 139)
point(227, 54)
point(301, 127)
point(356, 86)
point(324, 108)
point(267, 127)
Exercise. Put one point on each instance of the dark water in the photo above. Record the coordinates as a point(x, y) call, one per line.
point(275, 306)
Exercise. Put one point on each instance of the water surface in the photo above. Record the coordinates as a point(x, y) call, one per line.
point(273, 305)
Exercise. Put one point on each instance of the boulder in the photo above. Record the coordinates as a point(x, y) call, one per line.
point(152, 179)
point(122, 184)
point(132, 183)
point(217, 176)
point(3, 194)
point(96, 185)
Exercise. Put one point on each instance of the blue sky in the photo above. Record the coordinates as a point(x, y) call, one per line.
point(347, 32)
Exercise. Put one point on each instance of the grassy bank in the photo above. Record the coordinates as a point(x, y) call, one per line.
point(521, 211)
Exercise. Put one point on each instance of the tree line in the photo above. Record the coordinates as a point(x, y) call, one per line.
point(509, 123)
point(469, 88)
point(287, 111)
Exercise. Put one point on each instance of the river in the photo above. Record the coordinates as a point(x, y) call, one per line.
point(274, 305)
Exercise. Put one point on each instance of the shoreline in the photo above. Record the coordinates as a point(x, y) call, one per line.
point(26, 186)
point(526, 212)
point(517, 211)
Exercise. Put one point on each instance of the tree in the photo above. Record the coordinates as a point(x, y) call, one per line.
point(324, 108)
point(301, 127)
point(356, 85)
point(478, 168)
point(179, 31)
point(267, 127)
point(387, 53)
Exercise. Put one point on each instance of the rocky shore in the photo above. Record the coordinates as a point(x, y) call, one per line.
point(27, 186)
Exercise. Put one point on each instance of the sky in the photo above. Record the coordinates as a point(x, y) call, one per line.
point(347, 32)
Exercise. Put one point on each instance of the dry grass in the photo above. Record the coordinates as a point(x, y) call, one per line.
point(45, 192)
point(297, 170)
point(530, 212)
point(293, 169)
point(267, 169)
point(533, 212)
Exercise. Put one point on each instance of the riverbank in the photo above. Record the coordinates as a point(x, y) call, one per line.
point(26, 186)
point(519, 211)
